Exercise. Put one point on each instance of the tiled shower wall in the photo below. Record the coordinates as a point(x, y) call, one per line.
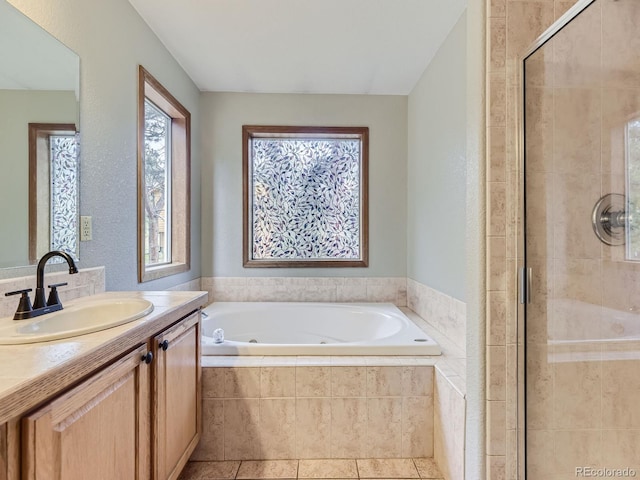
point(512, 25)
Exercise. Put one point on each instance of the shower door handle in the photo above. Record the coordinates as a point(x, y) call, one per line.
point(524, 281)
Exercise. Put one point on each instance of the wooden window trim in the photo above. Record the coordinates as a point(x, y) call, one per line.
point(149, 87)
point(38, 148)
point(257, 131)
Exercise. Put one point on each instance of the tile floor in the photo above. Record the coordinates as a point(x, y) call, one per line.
point(378, 469)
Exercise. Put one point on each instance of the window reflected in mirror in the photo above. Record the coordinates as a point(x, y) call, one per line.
point(53, 189)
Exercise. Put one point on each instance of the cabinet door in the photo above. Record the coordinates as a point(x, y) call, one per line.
point(177, 386)
point(98, 430)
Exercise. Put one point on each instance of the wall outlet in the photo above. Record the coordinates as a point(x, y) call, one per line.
point(85, 229)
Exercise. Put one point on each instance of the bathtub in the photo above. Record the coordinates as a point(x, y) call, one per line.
point(274, 328)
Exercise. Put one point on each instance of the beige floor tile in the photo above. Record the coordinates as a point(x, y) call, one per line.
point(387, 468)
point(327, 469)
point(267, 469)
point(209, 471)
point(427, 468)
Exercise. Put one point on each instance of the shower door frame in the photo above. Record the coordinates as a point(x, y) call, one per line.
point(523, 290)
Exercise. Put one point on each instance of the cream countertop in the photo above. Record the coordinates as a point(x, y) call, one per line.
point(31, 373)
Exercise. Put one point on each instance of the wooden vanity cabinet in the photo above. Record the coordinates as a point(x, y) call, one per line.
point(177, 409)
point(136, 418)
point(96, 430)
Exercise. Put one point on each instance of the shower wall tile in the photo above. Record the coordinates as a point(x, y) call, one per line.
point(496, 224)
point(497, 257)
point(526, 20)
point(496, 318)
point(577, 51)
point(497, 153)
point(621, 448)
point(511, 466)
point(540, 130)
point(576, 145)
point(619, 49)
point(576, 448)
point(496, 467)
point(620, 392)
point(561, 7)
point(497, 8)
point(540, 383)
point(307, 289)
point(511, 387)
point(496, 428)
point(497, 101)
point(496, 379)
point(497, 46)
point(576, 402)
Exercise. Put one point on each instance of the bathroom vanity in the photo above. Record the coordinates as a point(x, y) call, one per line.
point(120, 403)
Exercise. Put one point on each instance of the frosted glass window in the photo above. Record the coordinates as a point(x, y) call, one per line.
point(64, 193)
point(305, 196)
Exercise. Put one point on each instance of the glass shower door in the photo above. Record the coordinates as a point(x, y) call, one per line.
point(582, 244)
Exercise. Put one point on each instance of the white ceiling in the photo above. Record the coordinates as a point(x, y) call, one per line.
point(303, 46)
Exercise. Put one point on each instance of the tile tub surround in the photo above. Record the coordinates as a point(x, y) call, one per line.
point(307, 289)
point(344, 381)
point(374, 468)
point(301, 407)
point(447, 314)
point(88, 281)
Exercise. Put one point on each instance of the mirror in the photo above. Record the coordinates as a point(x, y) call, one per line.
point(39, 92)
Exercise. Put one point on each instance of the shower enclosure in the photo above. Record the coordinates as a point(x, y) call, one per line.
point(581, 182)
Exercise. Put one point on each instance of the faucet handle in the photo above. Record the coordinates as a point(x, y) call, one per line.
point(25, 303)
point(24, 292)
point(54, 299)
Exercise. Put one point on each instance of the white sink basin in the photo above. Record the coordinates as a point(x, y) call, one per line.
point(86, 317)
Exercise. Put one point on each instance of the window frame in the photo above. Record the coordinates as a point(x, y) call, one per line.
point(40, 157)
point(180, 188)
point(249, 132)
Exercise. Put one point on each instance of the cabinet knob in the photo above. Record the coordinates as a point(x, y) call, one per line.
point(164, 345)
point(147, 358)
